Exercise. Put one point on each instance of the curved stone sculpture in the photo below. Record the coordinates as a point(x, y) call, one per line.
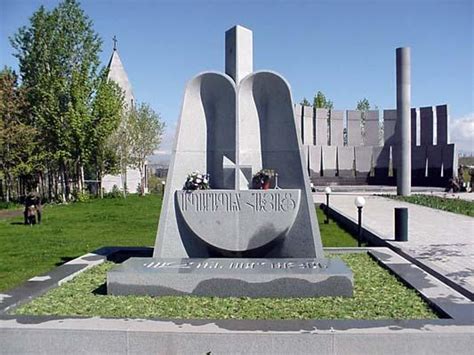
point(206, 134)
point(232, 131)
point(267, 138)
point(239, 221)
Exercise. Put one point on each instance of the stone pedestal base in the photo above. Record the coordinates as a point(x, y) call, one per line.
point(231, 277)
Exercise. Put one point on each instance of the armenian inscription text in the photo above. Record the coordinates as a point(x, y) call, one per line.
point(235, 201)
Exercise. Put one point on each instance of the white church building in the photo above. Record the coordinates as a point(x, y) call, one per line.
point(132, 176)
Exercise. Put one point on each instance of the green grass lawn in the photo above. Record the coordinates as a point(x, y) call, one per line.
point(72, 230)
point(332, 234)
point(69, 231)
point(9, 205)
point(377, 295)
point(446, 204)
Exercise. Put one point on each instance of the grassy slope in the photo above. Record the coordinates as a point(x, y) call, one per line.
point(72, 230)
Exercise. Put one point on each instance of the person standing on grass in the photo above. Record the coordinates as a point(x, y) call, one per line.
point(32, 213)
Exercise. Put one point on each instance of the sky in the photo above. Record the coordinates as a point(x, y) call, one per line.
point(346, 49)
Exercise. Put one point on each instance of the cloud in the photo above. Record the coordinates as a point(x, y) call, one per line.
point(462, 133)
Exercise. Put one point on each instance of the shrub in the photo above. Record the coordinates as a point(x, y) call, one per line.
point(115, 193)
point(155, 184)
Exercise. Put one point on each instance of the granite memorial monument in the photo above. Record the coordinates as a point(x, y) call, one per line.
point(233, 240)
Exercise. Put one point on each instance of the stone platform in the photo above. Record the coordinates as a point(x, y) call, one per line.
point(231, 277)
point(26, 334)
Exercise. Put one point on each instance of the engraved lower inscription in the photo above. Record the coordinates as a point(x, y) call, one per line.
point(234, 265)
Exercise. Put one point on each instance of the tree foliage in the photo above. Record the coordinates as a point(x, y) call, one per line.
point(18, 141)
point(120, 141)
point(146, 130)
point(363, 105)
point(305, 102)
point(67, 111)
point(107, 112)
point(58, 59)
point(320, 101)
point(70, 104)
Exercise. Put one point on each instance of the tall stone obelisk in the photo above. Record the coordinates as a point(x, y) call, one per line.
point(404, 121)
point(238, 53)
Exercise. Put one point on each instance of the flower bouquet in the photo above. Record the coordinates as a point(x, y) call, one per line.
point(261, 180)
point(197, 181)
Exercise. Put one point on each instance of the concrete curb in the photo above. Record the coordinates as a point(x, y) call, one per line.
point(123, 336)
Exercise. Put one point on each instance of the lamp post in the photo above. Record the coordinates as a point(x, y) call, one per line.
point(163, 183)
point(327, 190)
point(359, 202)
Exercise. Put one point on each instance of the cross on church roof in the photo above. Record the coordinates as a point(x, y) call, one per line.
point(115, 42)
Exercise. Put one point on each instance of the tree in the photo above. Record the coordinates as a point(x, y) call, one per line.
point(121, 141)
point(107, 112)
point(58, 59)
point(305, 102)
point(320, 101)
point(18, 140)
point(363, 106)
point(146, 130)
point(155, 184)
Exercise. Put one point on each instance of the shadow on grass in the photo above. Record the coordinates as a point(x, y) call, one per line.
point(364, 243)
point(101, 290)
point(334, 228)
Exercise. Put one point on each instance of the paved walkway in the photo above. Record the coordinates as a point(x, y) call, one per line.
point(441, 240)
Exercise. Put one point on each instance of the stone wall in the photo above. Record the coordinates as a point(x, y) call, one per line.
point(339, 148)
